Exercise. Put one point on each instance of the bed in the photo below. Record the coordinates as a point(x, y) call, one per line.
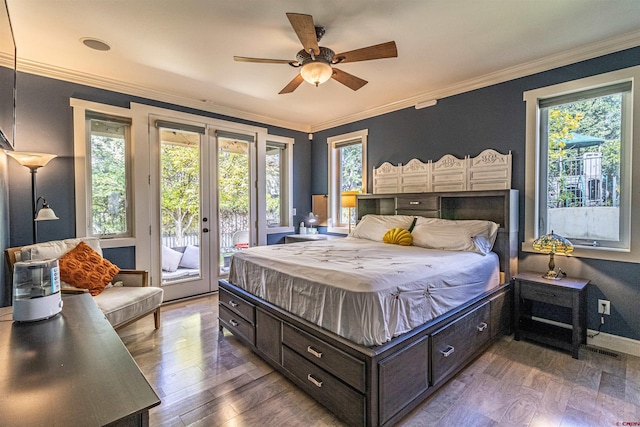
point(371, 329)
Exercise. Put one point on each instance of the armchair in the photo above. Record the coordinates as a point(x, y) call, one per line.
point(126, 300)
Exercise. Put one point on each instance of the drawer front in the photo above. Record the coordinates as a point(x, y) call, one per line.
point(236, 324)
point(546, 293)
point(418, 203)
point(342, 365)
point(238, 305)
point(338, 397)
point(454, 344)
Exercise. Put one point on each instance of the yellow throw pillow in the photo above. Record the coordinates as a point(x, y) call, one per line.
point(83, 267)
point(398, 236)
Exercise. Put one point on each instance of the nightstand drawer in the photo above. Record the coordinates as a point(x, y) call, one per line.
point(546, 293)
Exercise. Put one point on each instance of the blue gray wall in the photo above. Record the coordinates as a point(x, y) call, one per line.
point(491, 117)
point(494, 117)
point(45, 124)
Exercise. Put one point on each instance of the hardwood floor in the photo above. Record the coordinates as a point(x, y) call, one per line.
point(206, 379)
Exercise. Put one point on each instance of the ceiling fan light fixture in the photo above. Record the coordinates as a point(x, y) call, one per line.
point(316, 72)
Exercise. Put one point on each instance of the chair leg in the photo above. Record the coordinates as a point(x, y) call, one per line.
point(156, 318)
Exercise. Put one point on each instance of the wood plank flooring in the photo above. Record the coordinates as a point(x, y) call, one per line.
point(205, 378)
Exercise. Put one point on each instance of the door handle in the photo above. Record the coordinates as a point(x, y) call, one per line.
point(205, 230)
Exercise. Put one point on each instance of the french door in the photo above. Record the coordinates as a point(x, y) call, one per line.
point(202, 210)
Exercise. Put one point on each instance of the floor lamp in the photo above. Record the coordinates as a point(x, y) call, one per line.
point(349, 201)
point(34, 161)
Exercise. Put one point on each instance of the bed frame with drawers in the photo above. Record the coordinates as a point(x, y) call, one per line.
point(371, 386)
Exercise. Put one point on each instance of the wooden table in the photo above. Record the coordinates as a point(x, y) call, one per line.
point(567, 292)
point(70, 370)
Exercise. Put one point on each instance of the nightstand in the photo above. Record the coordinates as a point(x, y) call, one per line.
point(567, 292)
point(293, 238)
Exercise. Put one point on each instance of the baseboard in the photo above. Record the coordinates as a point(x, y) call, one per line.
point(603, 340)
point(614, 342)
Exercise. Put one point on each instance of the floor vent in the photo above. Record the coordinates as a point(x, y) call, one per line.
point(601, 351)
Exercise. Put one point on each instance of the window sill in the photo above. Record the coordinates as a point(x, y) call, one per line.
point(277, 230)
point(339, 230)
point(608, 254)
point(117, 242)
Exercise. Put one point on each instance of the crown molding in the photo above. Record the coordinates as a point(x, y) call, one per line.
point(561, 59)
point(99, 82)
point(589, 51)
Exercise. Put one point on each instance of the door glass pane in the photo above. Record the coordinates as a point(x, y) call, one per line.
point(180, 205)
point(233, 198)
point(583, 140)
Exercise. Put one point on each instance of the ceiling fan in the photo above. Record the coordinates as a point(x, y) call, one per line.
point(316, 63)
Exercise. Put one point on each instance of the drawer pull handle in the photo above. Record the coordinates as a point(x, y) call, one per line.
point(314, 381)
point(233, 322)
point(316, 353)
point(448, 351)
point(414, 203)
point(232, 303)
point(482, 326)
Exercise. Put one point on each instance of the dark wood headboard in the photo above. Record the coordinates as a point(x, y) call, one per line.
point(499, 206)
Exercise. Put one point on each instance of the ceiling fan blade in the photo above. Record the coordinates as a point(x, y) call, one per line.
point(262, 60)
point(349, 80)
point(292, 85)
point(306, 31)
point(379, 51)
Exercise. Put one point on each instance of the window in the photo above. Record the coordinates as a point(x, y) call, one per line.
point(102, 152)
point(277, 200)
point(275, 158)
point(347, 172)
point(109, 153)
point(581, 135)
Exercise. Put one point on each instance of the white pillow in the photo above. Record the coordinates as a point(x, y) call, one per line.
point(475, 227)
point(190, 257)
point(374, 227)
point(443, 237)
point(170, 259)
point(482, 244)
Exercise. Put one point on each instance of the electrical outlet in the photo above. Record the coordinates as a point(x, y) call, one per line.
point(604, 306)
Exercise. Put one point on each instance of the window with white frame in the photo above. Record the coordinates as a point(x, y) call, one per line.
point(102, 150)
point(108, 153)
point(579, 162)
point(276, 183)
point(347, 173)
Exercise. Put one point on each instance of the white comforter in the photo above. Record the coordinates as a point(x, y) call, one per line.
point(365, 291)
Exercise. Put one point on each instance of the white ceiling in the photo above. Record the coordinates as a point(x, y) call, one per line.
point(181, 51)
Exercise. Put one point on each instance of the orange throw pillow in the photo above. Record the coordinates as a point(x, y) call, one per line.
point(83, 267)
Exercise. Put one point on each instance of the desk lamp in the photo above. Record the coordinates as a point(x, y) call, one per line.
point(552, 244)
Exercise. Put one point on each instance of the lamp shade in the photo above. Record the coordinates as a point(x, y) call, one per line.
point(552, 243)
point(312, 219)
point(316, 72)
point(30, 159)
point(46, 214)
point(349, 199)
